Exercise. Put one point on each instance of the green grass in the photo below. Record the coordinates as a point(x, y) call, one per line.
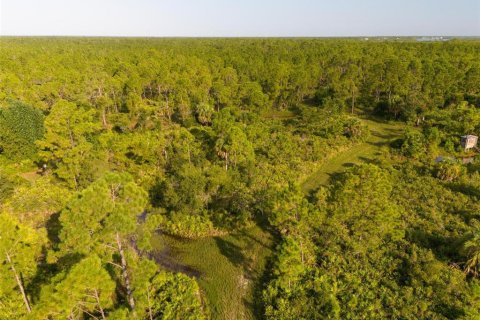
point(381, 134)
point(229, 268)
point(278, 114)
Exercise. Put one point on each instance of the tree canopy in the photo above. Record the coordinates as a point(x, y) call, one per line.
point(106, 144)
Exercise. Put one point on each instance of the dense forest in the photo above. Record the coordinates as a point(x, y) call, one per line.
point(107, 143)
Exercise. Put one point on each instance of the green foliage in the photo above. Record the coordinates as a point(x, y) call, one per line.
point(413, 144)
point(20, 126)
point(173, 296)
point(220, 133)
point(66, 144)
point(6, 187)
point(369, 219)
point(380, 252)
point(449, 170)
point(356, 130)
point(189, 226)
point(107, 212)
point(471, 248)
point(231, 143)
point(87, 288)
point(107, 207)
point(35, 202)
point(20, 251)
point(204, 113)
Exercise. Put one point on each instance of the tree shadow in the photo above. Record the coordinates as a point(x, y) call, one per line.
point(335, 176)
point(233, 253)
point(54, 227)
point(256, 271)
point(369, 160)
point(46, 271)
point(348, 165)
point(445, 249)
point(260, 285)
point(464, 188)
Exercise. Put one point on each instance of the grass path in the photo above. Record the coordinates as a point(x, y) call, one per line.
point(381, 134)
point(228, 269)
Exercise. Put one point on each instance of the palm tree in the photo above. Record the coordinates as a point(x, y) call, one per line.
point(472, 249)
point(204, 113)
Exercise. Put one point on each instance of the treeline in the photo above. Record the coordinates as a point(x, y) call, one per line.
point(105, 141)
point(177, 77)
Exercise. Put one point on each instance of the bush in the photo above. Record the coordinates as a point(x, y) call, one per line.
point(6, 188)
point(356, 130)
point(20, 126)
point(413, 144)
point(190, 226)
point(449, 170)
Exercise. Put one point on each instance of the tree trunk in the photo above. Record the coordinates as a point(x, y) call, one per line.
point(126, 278)
point(104, 118)
point(75, 181)
point(102, 312)
point(19, 283)
point(353, 101)
point(149, 305)
point(301, 253)
point(115, 101)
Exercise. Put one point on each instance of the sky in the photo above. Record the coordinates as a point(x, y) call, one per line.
point(240, 18)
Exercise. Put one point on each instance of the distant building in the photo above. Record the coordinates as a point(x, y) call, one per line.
point(469, 141)
point(430, 39)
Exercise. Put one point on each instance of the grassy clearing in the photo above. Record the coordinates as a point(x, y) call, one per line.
point(279, 114)
point(229, 268)
point(381, 134)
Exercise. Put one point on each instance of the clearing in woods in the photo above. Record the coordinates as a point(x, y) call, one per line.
point(381, 134)
point(229, 269)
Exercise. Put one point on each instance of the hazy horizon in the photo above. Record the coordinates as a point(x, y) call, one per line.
point(215, 18)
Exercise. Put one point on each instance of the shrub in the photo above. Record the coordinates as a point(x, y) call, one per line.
point(20, 126)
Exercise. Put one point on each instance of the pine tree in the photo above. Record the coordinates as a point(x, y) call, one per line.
point(20, 250)
point(102, 218)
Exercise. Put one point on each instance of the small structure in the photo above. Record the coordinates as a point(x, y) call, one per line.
point(468, 160)
point(469, 141)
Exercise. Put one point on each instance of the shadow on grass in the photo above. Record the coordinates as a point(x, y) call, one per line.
point(233, 253)
point(259, 286)
point(250, 250)
point(348, 165)
point(166, 258)
point(369, 160)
